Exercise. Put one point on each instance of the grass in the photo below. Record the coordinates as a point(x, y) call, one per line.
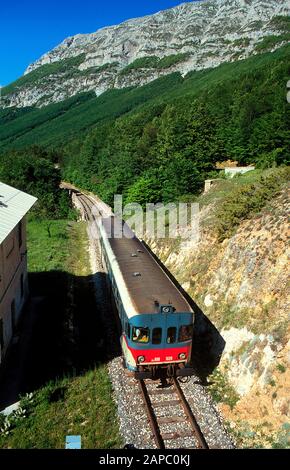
point(48, 245)
point(67, 374)
point(68, 406)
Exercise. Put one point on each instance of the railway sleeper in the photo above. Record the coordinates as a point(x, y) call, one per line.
point(172, 419)
point(166, 403)
point(176, 435)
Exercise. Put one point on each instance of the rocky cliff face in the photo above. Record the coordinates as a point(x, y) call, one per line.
point(242, 285)
point(191, 36)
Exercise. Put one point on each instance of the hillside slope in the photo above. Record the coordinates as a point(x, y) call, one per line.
point(160, 141)
point(242, 285)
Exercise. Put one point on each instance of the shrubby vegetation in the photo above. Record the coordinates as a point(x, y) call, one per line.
point(269, 42)
point(147, 62)
point(247, 199)
point(281, 22)
point(153, 62)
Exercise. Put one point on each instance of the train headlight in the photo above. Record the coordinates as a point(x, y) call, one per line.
point(182, 356)
point(141, 358)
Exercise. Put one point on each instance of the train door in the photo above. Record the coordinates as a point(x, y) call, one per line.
point(170, 331)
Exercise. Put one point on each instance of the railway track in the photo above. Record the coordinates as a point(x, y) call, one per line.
point(168, 412)
point(170, 397)
point(87, 205)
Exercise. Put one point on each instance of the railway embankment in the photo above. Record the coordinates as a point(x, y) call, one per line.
point(238, 273)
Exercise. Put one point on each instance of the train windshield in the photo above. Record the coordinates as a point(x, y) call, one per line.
point(140, 335)
point(185, 333)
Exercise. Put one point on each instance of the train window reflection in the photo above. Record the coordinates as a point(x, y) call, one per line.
point(171, 335)
point(185, 333)
point(140, 335)
point(156, 335)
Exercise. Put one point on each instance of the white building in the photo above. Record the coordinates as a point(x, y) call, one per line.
point(14, 205)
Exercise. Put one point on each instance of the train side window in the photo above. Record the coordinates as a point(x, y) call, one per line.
point(185, 333)
point(128, 330)
point(171, 335)
point(156, 335)
point(140, 335)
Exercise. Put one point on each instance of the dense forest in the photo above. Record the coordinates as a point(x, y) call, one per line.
point(34, 171)
point(157, 142)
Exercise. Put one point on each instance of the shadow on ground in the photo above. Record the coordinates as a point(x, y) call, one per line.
point(60, 333)
point(64, 331)
point(208, 344)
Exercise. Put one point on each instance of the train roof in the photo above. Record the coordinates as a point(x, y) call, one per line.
point(147, 284)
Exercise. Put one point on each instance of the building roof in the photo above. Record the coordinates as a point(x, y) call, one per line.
point(14, 204)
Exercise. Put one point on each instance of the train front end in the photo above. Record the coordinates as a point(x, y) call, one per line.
point(157, 345)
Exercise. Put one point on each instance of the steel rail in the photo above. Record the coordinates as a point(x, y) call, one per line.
point(151, 416)
point(194, 424)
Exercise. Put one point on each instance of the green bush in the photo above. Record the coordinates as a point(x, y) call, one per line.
point(248, 199)
point(147, 189)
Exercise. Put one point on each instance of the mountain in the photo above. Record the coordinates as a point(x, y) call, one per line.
point(190, 37)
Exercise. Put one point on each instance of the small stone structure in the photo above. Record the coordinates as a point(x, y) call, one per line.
point(208, 184)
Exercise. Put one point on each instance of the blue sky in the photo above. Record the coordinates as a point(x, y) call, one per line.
point(30, 28)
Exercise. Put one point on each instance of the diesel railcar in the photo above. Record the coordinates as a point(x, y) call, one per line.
point(156, 320)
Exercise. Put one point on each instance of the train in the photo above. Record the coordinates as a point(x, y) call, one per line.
point(156, 321)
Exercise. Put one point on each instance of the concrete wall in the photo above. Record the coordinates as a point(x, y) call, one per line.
point(209, 184)
point(231, 172)
point(13, 283)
